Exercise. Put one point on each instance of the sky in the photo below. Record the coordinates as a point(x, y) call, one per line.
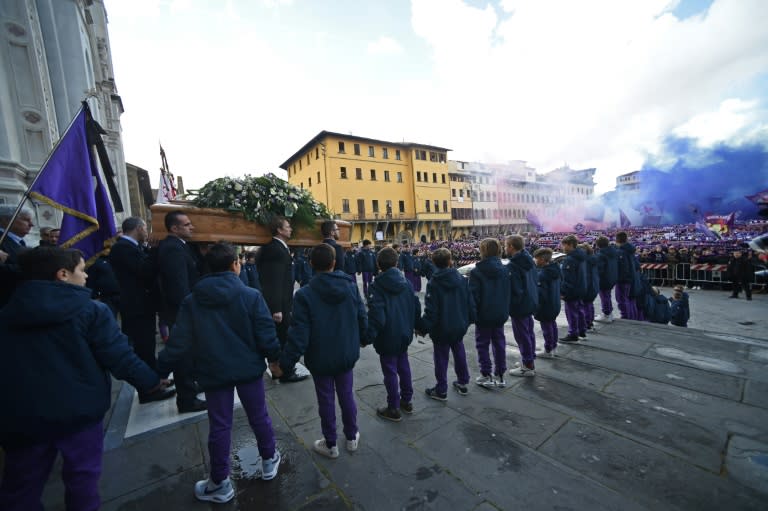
point(234, 87)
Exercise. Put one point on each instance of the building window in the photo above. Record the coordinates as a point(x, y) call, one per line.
point(399, 177)
point(299, 164)
point(443, 176)
point(371, 153)
point(453, 192)
point(437, 205)
point(418, 177)
point(386, 176)
point(421, 155)
point(359, 174)
point(397, 154)
point(389, 209)
point(426, 205)
point(301, 185)
point(385, 153)
point(310, 182)
point(445, 206)
point(345, 205)
point(307, 158)
point(461, 193)
point(318, 178)
point(341, 147)
point(373, 174)
point(434, 177)
point(317, 153)
point(432, 156)
point(357, 149)
point(343, 173)
point(375, 206)
point(401, 206)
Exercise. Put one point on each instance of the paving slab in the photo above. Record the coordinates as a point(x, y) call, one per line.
point(388, 474)
point(691, 378)
point(658, 480)
point(670, 433)
point(511, 476)
point(569, 370)
point(756, 393)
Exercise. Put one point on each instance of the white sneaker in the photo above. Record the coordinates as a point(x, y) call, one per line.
point(522, 371)
point(602, 318)
point(352, 444)
point(485, 381)
point(320, 447)
point(499, 382)
point(208, 491)
point(547, 354)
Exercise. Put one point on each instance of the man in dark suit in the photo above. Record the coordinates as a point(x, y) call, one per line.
point(177, 271)
point(12, 246)
point(330, 232)
point(134, 272)
point(274, 265)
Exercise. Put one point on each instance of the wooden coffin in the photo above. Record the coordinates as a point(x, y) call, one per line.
point(212, 225)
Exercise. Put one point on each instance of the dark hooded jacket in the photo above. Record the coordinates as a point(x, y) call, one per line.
point(328, 325)
point(549, 293)
point(524, 290)
point(366, 261)
point(660, 311)
point(489, 285)
point(680, 311)
point(405, 261)
point(607, 267)
point(59, 347)
point(627, 263)
point(574, 267)
point(393, 312)
point(449, 308)
point(225, 329)
point(593, 278)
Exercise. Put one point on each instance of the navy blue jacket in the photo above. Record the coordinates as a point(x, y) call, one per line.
point(607, 267)
point(227, 331)
point(680, 311)
point(405, 261)
point(627, 263)
point(549, 292)
point(593, 278)
point(428, 268)
point(660, 312)
point(489, 285)
point(449, 308)
point(523, 279)
point(328, 326)
point(58, 347)
point(393, 312)
point(350, 263)
point(366, 261)
point(574, 267)
point(249, 274)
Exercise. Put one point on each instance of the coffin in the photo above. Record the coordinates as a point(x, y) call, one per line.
point(212, 225)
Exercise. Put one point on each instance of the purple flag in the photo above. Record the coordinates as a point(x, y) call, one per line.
point(624, 220)
point(69, 181)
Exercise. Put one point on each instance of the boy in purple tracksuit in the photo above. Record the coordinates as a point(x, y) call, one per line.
point(523, 302)
point(574, 288)
point(608, 272)
point(549, 300)
point(489, 285)
point(593, 286)
point(328, 326)
point(393, 311)
point(627, 265)
point(448, 311)
point(54, 337)
point(227, 331)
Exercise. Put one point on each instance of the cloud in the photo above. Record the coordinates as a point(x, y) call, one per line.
point(384, 46)
point(598, 80)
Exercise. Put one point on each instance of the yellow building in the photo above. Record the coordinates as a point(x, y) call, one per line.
point(389, 191)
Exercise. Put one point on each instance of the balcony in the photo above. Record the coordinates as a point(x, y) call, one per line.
point(374, 217)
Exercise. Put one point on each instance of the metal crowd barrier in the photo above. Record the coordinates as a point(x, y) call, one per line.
point(687, 273)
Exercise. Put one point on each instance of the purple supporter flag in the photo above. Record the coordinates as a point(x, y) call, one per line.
point(624, 220)
point(69, 181)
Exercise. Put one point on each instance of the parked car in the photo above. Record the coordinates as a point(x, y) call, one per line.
point(464, 270)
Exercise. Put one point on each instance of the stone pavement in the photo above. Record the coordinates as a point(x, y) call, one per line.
point(639, 416)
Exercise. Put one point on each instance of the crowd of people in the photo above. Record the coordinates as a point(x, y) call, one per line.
point(230, 318)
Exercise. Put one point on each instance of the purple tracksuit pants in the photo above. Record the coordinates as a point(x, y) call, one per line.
point(27, 469)
point(574, 313)
point(440, 357)
point(326, 405)
point(606, 305)
point(549, 329)
point(493, 338)
point(220, 409)
point(522, 330)
point(397, 379)
point(626, 303)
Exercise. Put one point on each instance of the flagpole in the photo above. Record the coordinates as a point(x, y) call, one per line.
point(25, 196)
